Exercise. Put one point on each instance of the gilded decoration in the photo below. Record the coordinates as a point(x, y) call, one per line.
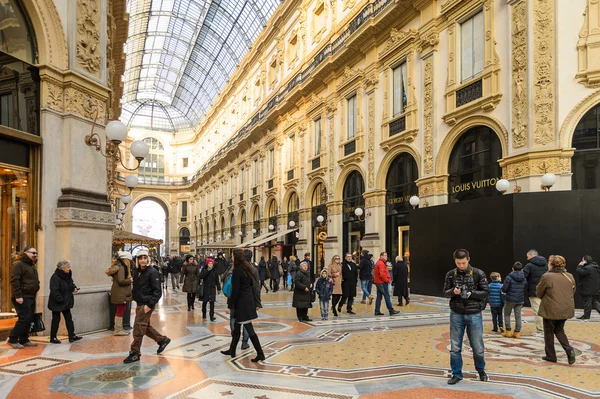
point(334, 208)
point(330, 133)
point(85, 105)
point(519, 75)
point(348, 4)
point(375, 199)
point(537, 163)
point(428, 121)
point(588, 51)
point(371, 146)
point(433, 186)
point(88, 36)
point(544, 72)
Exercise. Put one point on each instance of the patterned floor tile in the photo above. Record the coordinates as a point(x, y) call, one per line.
point(32, 365)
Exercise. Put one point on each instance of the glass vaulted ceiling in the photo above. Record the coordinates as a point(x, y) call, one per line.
point(180, 54)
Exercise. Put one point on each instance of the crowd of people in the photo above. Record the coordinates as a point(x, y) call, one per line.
point(547, 285)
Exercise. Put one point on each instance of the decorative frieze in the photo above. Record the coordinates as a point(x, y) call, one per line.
point(537, 163)
point(519, 74)
point(74, 217)
point(375, 198)
point(428, 121)
point(544, 72)
point(436, 185)
point(85, 105)
point(54, 96)
point(371, 138)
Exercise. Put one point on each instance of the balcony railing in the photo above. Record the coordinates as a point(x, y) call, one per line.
point(469, 93)
point(316, 163)
point(369, 11)
point(350, 148)
point(241, 196)
point(290, 174)
point(254, 191)
point(397, 126)
point(269, 184)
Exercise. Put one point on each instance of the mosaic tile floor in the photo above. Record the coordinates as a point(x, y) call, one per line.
point(352, 356)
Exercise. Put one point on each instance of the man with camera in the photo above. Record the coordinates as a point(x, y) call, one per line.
point(467, 288)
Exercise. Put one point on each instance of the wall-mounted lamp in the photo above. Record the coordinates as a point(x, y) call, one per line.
point(253, 231)
point(271, 227)
point(502, 185)
point(548, 179)
point(359, 212)
point(292, 224)
point(229, 235)
point(241, 234)
point(116, 133)
point(414, 201)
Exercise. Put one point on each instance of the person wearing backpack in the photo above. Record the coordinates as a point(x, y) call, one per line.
point(468, 290)
point(211, 288)
point(226, 283)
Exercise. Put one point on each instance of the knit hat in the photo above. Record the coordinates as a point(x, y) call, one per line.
point(143, 252)
point(210, 261)
point(124, 255)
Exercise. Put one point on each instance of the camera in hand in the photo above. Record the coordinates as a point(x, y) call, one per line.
point(464, 292)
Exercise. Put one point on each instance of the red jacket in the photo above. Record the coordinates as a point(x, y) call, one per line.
point(381, 275)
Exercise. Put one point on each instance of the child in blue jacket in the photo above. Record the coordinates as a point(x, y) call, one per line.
point(324, 288)
point(496, 301)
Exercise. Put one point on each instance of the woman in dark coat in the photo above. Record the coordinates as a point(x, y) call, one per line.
point(301, 300)
point(189, 277)
point(242, 302)
point(62, 290)
point(211, 285)
point(400, 273)
point(262, 272)
point(349, 279)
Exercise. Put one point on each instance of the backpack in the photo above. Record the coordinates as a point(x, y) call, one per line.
point(476, 280)
point(227, 287)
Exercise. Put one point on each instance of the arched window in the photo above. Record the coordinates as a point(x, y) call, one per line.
point(222, 233)
point(354, 227)
point(272, 214)
point(184, 239)
point(256, 221)
point(400, 183)
point(152, 168)
point(319, 196)
point(293, 203)
point(473, 166)
point(354, 189)
point(244, 220)
point(232, 225)
point(16, 36)
point(585, 164)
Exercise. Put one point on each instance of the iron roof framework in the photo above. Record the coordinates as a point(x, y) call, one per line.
point(180, 55)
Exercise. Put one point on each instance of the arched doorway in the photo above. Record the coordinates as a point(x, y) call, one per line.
point(353, 226)
point(223, 232)
point(231, 226)
point(293, 220)
point(473, 167)
point(149, 219)
point(19, 153)
point(585, 164)
point(400, 186)
point(243, 221)
point(256, 222)
point(318, 201)
point(184, 240)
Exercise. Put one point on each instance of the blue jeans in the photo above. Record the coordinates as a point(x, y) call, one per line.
point(324, 304)
point(382, 290)
point(474, 325)
point(365, 285)
point(245, 336)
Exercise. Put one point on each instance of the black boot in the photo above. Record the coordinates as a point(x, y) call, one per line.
point(259, 352)
point(235, 338)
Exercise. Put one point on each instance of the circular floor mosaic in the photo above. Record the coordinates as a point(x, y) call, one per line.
point(266, 327)
point(111, 378)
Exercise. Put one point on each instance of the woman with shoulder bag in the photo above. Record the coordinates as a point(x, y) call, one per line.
point(121, 272)
point(556, 290)
point(61, 300)
point(189, 278)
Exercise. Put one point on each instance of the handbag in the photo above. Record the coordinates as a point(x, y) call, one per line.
point(289, 279)
point(313, 295)
point(200, 288)
point(37, 324)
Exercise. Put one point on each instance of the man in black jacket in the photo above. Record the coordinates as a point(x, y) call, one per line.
point(467, 288)
point(366, 276)
point(588, 274)
point(534, 270)
point(146, 293)
point(25, 284)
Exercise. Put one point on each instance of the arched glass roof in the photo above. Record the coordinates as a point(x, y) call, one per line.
point(180, 54)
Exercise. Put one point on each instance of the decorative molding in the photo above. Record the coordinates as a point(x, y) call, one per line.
point(74, 217)
point(428, 122)
point(52, 43)
point(398, 39)
point(348, 77)
point(533, 163)
point(544, 73)
point(54, 96)
point(331, 134)
point(88, 36)
point(428, 42)
point(519, 75)
point(375, 198)
point(435, 185)
point(334, 208)
point(587, 46)
point(85, 105)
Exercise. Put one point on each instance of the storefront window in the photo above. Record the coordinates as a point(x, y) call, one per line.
point(354, 227)
point(16, 37)
point(585, 164)
point(473, 167)
point(400, 184)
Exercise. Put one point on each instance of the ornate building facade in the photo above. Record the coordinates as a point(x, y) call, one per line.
point(362, 104)
point(60, 69)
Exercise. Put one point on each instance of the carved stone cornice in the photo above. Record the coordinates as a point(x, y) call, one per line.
point(434, 185)
point(314, 105)
point(428, 41)
point(74, 217)
point(537, 163)
point(375, 198)
point(348, 77)
point(398, 39)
